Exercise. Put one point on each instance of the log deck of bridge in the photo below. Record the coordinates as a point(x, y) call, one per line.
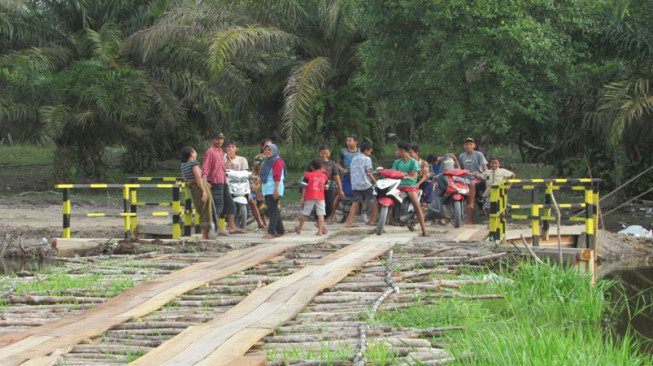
point(41, 345)
point(223, 340)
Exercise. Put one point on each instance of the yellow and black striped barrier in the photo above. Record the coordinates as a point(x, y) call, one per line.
point(542, 212)
point(127, 213)
point(189, 212)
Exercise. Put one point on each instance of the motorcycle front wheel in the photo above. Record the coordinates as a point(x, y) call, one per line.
point(383, 217)
point(366, 209)
point(241, 215)
point(457, 213)
point(342, 211)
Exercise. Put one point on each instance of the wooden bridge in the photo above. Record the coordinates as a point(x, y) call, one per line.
point(336, 277)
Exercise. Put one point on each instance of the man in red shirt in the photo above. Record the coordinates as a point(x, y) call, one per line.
point(313, 196)
point(213, 170)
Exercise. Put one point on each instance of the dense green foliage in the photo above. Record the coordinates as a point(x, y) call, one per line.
point(549, 316)
point(567, 82)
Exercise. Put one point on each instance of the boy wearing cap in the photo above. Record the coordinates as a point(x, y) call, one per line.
point(214, 171)
point(475, 162)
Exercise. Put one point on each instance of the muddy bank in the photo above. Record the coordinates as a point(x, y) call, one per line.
point(35, 220)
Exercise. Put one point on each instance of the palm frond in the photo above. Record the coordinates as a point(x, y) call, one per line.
point(623, 104)
point(169, 110)
point(289, 15)
point(101, 45)
point(53, 119)
point(46, 58)
point(243, 41)
point(192, 91)
point(20, 27)
point(178, 26)
point(300, 93)
point(13, 5)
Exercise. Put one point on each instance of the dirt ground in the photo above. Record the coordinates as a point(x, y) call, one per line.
point(37, 220)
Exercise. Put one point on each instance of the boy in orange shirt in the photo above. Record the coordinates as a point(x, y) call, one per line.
point(313, 196)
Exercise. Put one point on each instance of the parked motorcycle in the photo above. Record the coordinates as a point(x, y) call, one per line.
point(393, 201)
point(451, 204)
point(240, 189)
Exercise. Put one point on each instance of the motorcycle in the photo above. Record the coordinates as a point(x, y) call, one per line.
point(451, 204)
point(240, 189)
point(388, 196)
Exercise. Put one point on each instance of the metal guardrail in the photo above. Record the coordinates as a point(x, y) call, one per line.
point(128, 215)
point(191, 217)
point(541, 212)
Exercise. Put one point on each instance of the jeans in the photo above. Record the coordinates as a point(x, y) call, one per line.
point(275, 224)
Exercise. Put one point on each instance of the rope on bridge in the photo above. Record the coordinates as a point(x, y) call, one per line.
point(358, 358)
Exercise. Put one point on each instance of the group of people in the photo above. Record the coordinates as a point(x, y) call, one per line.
point(325, 182)
point(269, 173)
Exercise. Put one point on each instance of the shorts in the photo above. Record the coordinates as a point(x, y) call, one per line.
point(360, 196)
point(318, 204)
point(408, 189)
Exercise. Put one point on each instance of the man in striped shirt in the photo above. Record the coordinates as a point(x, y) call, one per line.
point(213, 170)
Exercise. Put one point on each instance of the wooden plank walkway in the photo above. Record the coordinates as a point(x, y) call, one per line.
point(227, 338)
point(43, 345)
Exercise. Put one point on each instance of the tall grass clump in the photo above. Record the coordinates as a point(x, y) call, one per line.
point(549, 316)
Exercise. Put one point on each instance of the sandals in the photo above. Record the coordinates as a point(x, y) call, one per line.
point(269, 236)
point(237, 231)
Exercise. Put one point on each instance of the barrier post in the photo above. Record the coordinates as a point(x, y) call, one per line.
point(535, 217)
point(589, 216)
point(134, 210)
point(176, 211)
point(504, 208)
point(126, 210)
point(66, 214)
point(548, 201)
point(495, 219)
point(188, 210)
point(595, 192)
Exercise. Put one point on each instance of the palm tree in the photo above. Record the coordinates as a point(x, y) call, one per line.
point(63, 80)
point(623, 106)
point(241, 45)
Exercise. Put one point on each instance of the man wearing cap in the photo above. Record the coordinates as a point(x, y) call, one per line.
point(475, 162)
point(213, 170)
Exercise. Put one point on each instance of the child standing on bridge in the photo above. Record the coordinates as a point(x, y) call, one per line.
point(199, 188)
point(313, 196)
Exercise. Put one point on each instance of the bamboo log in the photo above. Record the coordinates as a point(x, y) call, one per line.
point(150, 343)
point(153, 324)
point(148, 331)
point(36, 300)
point(107, 348)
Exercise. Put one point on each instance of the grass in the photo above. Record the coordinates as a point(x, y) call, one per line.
point(57, 284)
point(550, 316)
point(26, 154)
point(331, 354)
